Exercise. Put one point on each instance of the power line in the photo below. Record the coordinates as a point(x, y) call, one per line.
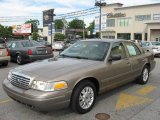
point(71, 15)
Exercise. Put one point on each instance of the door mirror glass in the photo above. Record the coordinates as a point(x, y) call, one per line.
point(115, 58)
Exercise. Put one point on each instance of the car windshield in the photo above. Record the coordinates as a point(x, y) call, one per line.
point(30, 44)
point(145, 44)
point(156, 43)
point(91, 50)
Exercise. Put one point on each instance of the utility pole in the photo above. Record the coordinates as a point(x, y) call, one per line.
point(100, 3)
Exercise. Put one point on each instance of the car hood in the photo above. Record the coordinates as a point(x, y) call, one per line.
point(49, 70)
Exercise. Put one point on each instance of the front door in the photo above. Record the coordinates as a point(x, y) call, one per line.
point(117, 72)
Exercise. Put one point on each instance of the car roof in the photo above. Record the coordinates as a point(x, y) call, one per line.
point(108, 40)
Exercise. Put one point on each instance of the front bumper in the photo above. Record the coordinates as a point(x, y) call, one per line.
point(43, 101)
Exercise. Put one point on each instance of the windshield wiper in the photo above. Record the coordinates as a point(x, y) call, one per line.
point(67, 56)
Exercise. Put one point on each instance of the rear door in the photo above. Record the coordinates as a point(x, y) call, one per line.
point(136, 57)
point(118, 71)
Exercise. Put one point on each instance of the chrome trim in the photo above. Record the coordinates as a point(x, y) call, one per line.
point(21, 80)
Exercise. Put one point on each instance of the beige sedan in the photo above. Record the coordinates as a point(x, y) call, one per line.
point(81, 72)
point(4, 54)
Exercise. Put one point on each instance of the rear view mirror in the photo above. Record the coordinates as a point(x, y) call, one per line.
point(115, 57)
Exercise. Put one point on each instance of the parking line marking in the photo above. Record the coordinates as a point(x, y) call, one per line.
point(127, 100)
point(5, 101)
point(146, 90)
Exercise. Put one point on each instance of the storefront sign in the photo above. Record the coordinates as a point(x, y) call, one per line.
point(115, 15)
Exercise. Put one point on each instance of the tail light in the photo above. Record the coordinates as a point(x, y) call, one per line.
point(8, 53)
point(51, 50)
point(30, 52)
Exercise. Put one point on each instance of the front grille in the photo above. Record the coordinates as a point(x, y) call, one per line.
point(20, 81)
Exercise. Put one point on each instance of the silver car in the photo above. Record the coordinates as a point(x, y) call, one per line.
point(151, 46)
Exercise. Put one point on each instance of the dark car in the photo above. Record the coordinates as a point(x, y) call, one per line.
point(69, 43)
point(28, 50)
point(45, 43)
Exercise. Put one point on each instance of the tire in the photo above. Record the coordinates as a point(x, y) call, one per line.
point(5, 64)
point(143, 79)
point(19, 59)
point(76, 105)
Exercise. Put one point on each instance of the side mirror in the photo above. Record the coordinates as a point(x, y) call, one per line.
point(115, 58)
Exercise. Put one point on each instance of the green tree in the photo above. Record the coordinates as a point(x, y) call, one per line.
point(91, 27)
point(59, 24)
point(76, 24)
point(59, 37)
point(34, 23)
point(35, 36)
point(5, 32)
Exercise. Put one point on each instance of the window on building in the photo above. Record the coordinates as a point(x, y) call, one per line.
point(156, 16)
point(110, 22)
point(124, 22)
point(138, 36)
point(125, 36)
point(142, 17)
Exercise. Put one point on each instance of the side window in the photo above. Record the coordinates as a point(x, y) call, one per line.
point(14, 45)
point(118, 49)
point(133, 49)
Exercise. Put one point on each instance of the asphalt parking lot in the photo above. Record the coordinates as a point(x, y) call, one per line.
point(129, 102)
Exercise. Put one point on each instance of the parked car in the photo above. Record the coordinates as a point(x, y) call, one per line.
point(45, 43)
point(81, 72)
point(58, 45)
point(151, 46)
point(4, 53)
point(68, 43)
point(139, 42)
point(28, 50)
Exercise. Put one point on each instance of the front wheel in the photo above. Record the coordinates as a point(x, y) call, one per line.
point(143, 79)
point(83, 98)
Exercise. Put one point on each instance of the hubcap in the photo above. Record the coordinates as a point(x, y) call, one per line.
point(145, 75)
point(19, 59)
point(86, 98)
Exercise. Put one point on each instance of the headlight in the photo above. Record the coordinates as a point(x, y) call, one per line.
point(9, 75)
point(46, 86)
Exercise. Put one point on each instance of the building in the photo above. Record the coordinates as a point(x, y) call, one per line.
point(140, 22)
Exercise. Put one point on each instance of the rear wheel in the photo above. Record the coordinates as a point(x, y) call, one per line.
point(143, 79)
point(83, 98)
point(19, 59)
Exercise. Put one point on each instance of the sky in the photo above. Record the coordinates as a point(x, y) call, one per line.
point(35, 7)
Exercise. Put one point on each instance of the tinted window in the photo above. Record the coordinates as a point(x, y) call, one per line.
point(14, 45)
point(93, 50)
point(30, 44)
point(118, 49)
point(133, 49)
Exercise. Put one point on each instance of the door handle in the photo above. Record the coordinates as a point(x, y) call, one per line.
point(128, 63)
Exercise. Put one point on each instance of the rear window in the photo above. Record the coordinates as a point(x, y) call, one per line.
point(2, 46)
point(2, 41)
point(30, 44)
